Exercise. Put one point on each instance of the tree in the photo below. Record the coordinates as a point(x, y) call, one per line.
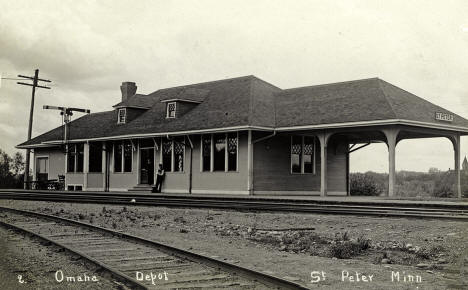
point(11, 170)
point(18, 163)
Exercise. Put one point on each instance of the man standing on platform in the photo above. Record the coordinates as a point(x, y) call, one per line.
point(159, 178)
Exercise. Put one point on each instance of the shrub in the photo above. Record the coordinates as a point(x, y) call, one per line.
point(348, 249)
point(364, 184)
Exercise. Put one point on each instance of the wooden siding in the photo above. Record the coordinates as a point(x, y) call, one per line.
point(272, 167)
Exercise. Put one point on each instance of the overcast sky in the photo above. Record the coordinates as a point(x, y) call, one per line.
point(87, 48)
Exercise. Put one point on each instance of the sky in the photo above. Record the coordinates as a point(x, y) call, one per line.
point(87, 48)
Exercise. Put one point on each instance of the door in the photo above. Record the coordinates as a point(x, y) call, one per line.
point(42, 169)
point(147, 166)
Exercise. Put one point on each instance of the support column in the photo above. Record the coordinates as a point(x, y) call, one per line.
point(104, 166)
point(85, 165)
point(34, 178)
point(456, 148)
point(391, 135)
point(323, 138)
point(249, 162)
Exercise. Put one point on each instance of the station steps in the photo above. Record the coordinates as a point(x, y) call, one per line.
point(141, 188)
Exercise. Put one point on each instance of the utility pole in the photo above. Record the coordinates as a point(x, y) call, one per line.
point(34, 85)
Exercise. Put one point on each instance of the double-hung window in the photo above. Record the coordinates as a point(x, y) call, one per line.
point(219, 152)
point(302, 154)
point(173, 154)
point(122, 116)
point(123, 152)
point(75, 157)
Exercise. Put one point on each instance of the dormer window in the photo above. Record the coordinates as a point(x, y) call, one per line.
point(122, 116)
point(171, 110)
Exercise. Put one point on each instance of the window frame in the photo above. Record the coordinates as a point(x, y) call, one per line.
point(314, 172)
point(75, 159)
point(119, 121)
point(122, 157)
point(168, 116)
point(226, 153)
point(173, 140)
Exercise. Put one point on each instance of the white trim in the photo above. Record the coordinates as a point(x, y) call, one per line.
point(215, 191)
point(181, 100)
point(145, 135)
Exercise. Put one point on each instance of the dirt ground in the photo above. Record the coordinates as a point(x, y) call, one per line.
point(329, 250)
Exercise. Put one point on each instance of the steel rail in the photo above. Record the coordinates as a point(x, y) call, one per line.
point(305, 207)
point(248, 273)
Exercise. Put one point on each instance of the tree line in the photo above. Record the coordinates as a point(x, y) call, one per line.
point(11, 170)
point(434, 183)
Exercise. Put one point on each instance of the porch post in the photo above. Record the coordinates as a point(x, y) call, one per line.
point(85, 165)
point(456, 148)
point(249, 162)
point(323, 138)
point(391, 135)
point(33, 166)
point(104, 166)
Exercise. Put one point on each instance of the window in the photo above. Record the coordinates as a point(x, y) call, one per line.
point(123, 156)
point(206, 155)
point(122, 116)
point(95, 157)
point(171, 110)
point(167, 155)
point(308, 154)
point(118, 148)
point(75, 158)
point(179, 148)
point(173, 154)
point(79, 157)
point(127, 157)
point(296, 154)
point(302, 154)
point(219, 152)
point(232, 151)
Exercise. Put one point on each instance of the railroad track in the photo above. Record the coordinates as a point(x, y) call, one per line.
point(130, 258)
point(453, 212)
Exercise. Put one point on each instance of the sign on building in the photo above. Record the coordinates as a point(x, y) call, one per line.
point(444, 117)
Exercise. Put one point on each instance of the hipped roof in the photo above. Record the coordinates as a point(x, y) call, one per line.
point(249, 102)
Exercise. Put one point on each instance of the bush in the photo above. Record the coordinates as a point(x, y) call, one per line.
point(348, 249)
point(364, 184)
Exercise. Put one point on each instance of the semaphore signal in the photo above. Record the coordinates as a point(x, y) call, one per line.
point(66, 114)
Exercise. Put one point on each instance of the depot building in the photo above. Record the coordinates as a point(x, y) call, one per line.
point(239, 136)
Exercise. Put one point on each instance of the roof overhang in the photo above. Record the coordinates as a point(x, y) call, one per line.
point(132, 107)
point(447, 127)
point(377, 123)
point(181, 100)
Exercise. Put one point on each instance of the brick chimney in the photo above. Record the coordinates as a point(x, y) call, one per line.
point(128, 89)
